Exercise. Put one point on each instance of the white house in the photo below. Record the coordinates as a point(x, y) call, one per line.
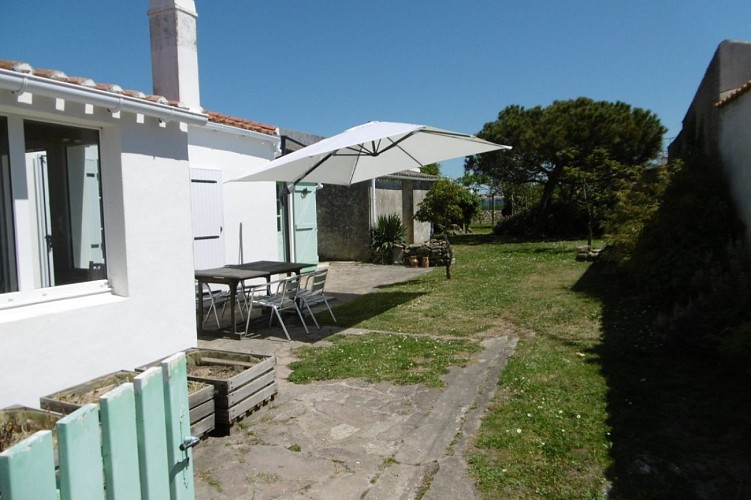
point(232, 223)
point(96, 257)
point(109, 199)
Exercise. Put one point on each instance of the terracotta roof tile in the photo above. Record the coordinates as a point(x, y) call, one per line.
point(80, 80)
point(734, 95)
point(234, 121)
point(25, 68)
point(136, 94)
point(52, 74)
point(19, 67)
point(109, 87)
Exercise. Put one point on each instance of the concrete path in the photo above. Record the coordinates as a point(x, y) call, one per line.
point(348, 439)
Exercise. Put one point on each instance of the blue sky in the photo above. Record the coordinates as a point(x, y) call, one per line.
point(324, 66)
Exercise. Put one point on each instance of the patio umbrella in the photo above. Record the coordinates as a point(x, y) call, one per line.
point(369, 151)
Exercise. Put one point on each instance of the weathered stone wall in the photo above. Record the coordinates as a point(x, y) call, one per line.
point(344, 215)
point(421, 231)
point(344, 222)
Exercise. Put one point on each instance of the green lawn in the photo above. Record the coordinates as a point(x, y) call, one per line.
point(589, 405)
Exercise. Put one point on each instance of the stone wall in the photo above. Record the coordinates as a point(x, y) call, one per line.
point(343, 222)
point(438, 253)
point(344, 215)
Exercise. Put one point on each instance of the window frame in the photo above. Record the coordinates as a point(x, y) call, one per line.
point(25, 225)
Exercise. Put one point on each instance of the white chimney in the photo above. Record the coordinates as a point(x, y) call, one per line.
point(174, 52)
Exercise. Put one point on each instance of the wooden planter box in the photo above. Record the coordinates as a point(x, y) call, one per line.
point(243, 383)
point(19, 422)
point(201, 407)
point(70, 399)
point(200, 399)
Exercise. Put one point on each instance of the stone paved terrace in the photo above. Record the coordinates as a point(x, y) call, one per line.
point(347, 439)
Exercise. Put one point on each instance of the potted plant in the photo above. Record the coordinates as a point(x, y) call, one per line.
point(387, 239)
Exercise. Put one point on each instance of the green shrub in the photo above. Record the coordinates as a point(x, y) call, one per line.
point(677, 237)
point(560, 221)
point(387, 235)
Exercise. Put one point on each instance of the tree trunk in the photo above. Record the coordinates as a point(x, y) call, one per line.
point(547, 194)
point(589, 217)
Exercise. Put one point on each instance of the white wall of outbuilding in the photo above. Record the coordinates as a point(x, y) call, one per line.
point(735, 150)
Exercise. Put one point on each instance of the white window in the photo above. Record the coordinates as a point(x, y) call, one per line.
point(60, 227)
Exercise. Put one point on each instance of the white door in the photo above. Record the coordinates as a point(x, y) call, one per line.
point(208, 218)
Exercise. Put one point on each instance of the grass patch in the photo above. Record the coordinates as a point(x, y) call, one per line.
point(546, 433)
point(591, 404)
point(382, 357)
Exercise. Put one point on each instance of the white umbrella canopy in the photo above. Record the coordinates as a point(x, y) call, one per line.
point(369, 151)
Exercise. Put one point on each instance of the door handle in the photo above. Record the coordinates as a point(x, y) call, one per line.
point(189, 442)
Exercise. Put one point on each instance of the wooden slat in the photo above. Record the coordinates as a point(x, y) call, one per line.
point(203, 410)
point(27, 470)
point(79, 445)
point(219, 361)
point(175, 376)
point(239, 394)
point(201, 396)
point(201, 427)
point(227, 416)
point(251, 373)
point(152, 435)
point(120, 443)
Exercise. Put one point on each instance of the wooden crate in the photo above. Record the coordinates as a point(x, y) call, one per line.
point(70, 399)
point(201, 404)
point(17, 422)
point(250, 386)
point(200, 399)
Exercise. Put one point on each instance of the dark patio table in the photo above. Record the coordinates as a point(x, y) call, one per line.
point(231, 275)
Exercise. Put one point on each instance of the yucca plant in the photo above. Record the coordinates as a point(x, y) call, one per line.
point(387, 236)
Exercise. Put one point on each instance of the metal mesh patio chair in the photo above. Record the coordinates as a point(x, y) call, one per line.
point(279, 296)
point(312, 293)
point(208, 300)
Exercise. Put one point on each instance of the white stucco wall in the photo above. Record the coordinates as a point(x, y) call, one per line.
point(735, 149)
point(249, 207)
point(150, 311)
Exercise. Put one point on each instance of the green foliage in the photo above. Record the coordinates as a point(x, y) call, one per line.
point(387, 235)
point(677, 236)
point(560, 221)
point(637, 205)
point(578, 150)
point(431, 168)
point(448, 203)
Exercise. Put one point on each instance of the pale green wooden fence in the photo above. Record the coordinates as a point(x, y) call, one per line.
point(130, 446)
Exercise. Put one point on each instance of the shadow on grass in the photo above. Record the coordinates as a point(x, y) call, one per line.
point(680, 420)
point(370, 305)
point(473, 239)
